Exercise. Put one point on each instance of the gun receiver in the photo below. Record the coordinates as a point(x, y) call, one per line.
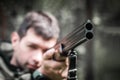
point(78, 36)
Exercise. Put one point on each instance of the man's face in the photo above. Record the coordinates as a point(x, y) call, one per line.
point(29, 50)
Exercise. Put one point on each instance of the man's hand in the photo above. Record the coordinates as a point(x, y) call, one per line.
point(55, 70)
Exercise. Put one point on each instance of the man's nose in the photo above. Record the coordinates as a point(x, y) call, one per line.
point(37, 58)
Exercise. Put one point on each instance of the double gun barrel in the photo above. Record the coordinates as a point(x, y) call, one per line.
point(75, 38)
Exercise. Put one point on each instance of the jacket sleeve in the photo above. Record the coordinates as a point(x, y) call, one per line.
point(39, 76)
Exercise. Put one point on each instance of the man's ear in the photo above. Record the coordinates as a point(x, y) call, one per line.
point(15, 39)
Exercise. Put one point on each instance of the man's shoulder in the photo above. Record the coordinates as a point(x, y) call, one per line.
point(4, 69)
point(5, 53)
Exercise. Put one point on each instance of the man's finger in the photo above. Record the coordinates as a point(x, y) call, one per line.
point(49, 54)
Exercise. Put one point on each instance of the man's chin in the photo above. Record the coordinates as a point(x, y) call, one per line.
point(30, 70)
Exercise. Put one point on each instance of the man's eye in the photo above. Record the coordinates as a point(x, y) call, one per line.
point(44, 51)
point(33, 47)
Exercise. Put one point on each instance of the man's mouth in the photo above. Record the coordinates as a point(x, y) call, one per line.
point(33, 67)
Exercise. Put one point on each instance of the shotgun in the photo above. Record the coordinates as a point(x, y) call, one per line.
point(66, 46)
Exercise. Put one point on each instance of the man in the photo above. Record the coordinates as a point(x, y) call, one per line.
point(33, 50)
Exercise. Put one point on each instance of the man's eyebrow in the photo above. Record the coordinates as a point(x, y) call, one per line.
point(32, 43)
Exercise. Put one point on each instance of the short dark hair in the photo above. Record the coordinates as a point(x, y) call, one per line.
point(44, 24)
